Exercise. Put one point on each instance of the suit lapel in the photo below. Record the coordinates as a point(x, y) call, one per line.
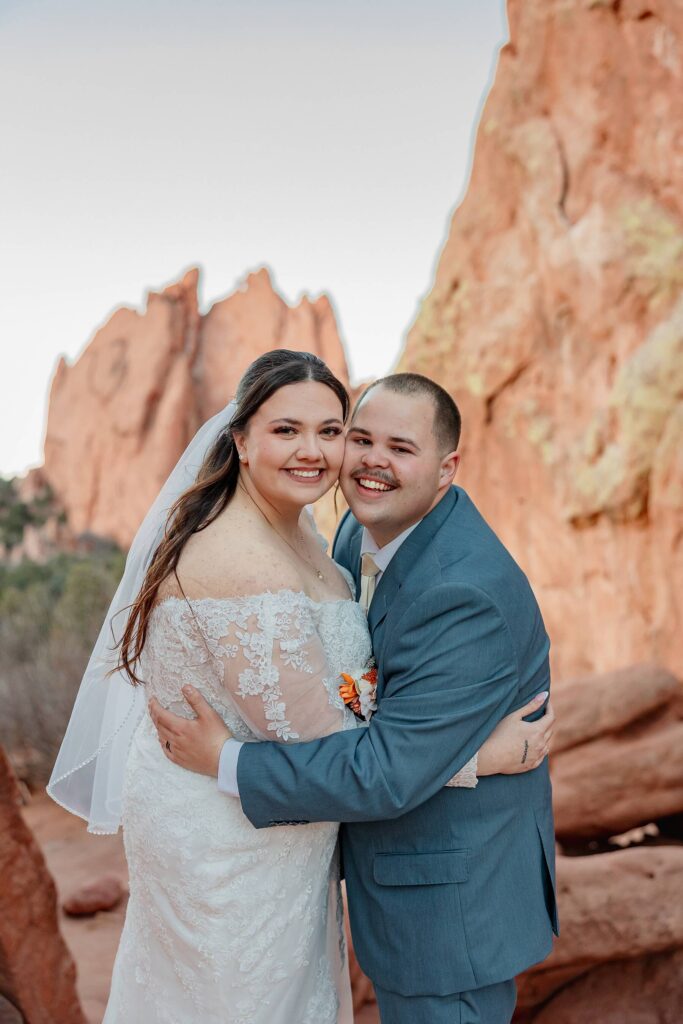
point(346, 547)
point(378, 607)
point(406, 557)
point(354, 554)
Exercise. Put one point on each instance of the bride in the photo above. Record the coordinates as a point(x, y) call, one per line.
point(228, 587)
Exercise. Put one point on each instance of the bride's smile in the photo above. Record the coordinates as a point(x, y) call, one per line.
point(293, 447)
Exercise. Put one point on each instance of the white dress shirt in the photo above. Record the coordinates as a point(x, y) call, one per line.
point(227, 763)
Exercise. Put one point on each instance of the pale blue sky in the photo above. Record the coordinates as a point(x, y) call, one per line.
point(328, 141)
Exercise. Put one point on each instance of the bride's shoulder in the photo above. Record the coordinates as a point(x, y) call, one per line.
point(232, 558)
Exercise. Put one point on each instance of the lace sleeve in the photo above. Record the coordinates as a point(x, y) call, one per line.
point(276, 674)
point(466, 778)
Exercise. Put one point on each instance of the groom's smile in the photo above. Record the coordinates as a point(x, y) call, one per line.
point(373, 484)
point(395, 468)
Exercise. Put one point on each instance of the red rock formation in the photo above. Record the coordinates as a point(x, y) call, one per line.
point(253, 320)
point(120, 416)
point(556, 319)
point(37, 973)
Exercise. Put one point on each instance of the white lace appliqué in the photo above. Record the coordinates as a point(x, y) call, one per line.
point(227, 922)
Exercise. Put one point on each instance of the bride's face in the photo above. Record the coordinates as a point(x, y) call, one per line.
point(293, 446)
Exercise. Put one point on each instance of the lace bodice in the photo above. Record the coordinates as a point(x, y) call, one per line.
point(256, 659)
point(227, 922)
point(268, 663)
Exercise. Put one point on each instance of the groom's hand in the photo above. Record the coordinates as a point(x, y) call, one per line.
point(193, 743)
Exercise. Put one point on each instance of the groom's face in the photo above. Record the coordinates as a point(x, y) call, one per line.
point(394, 472)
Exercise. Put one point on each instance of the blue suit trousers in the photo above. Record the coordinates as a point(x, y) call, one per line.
point(493, 1004)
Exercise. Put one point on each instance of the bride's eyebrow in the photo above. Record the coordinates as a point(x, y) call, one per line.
point(298, 423)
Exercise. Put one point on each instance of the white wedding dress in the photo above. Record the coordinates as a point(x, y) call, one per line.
point(228, 924)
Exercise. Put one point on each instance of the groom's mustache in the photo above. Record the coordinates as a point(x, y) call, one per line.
point(375, 474)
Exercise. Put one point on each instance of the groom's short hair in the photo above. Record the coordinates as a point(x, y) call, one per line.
point(447, 420)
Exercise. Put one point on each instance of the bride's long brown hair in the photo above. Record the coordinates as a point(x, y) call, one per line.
point(216, 483)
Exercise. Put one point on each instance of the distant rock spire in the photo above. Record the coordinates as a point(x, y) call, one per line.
point(120, 416)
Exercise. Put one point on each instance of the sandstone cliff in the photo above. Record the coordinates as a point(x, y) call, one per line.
point(120, 416)
point(37, 972)
point(556, 320)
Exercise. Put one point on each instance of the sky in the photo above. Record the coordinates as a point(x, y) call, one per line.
point(328, 141)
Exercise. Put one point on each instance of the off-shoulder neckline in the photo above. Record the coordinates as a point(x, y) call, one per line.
point(170, 598)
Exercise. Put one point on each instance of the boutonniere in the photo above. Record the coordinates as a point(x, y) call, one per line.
point(359, 694)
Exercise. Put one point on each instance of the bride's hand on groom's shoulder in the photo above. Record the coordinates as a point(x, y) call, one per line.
point(517, 746)
point(192, 743)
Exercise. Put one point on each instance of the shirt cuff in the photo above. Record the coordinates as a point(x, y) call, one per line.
point(227, 767)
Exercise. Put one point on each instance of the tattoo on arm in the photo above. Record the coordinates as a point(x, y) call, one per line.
point(526, 751)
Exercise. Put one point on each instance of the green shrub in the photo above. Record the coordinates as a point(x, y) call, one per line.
point(50, 616)
point(16, 514)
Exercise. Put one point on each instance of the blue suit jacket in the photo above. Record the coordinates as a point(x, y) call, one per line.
point(448, 889)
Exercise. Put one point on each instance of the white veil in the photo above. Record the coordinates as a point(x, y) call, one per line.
point(88, 775)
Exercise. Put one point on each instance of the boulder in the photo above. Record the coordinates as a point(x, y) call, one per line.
point(37, 973)
point(102, 893)
point(617, 759)
point(612, 907)
point(616, 783)
point(645, 991)
point(593, 706)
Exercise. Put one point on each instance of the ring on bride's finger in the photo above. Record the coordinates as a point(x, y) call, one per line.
point(168, 744)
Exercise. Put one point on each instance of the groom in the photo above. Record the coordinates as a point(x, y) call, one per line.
point(451, 890)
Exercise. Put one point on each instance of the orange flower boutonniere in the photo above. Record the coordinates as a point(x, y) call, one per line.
point(359, 694)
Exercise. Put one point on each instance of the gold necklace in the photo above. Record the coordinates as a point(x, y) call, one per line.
point(298, 554)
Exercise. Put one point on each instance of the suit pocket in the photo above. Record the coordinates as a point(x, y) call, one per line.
point(441, 868)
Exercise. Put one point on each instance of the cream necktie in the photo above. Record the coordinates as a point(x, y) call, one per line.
point(368, 580)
